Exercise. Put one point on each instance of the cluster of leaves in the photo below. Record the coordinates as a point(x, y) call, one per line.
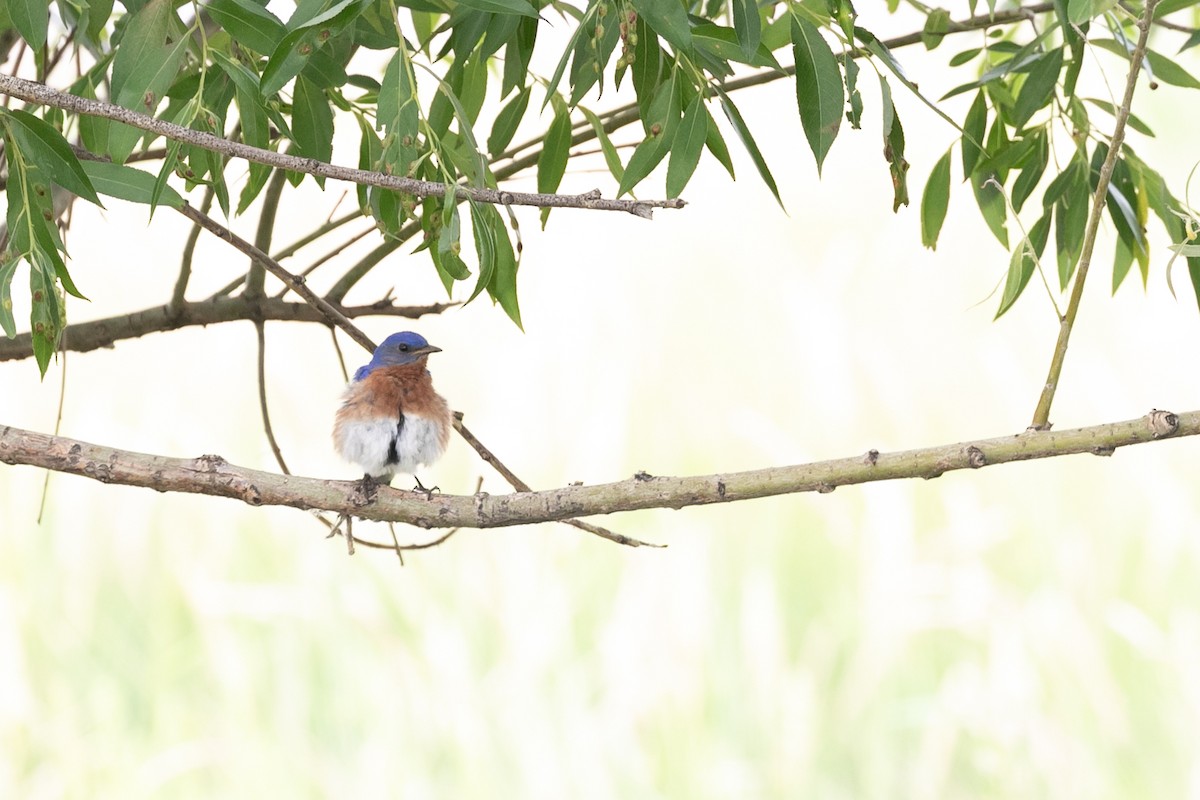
point(234, 68)
point(1025, 95)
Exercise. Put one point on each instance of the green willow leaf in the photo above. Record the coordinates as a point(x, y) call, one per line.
point(503, 286)
point(686, 147)
point(723, 43)
point(507, 121)
point(668, 19)
point(1032, 171)
point(248, 22)
point(144, 67)
point(521, 7)
point(8, 267)
point(1081, 11)
point(715, 143)
point(935, 201)
point(646, 156)
point(31, 18)
point(1022, 264)
point(127, 183)
point(990, 200)
point(485, 245)
point(818, 88)
point(295, 49)
point(974, 131)
point(1133, 121)
point(552, 161)
point(611, 158)
point(747, 139)
point(1071, 210)
point(312, 122)
point(42, 142)
point(1038, 89)
point(748, 25)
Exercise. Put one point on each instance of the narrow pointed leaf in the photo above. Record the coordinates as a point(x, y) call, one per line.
point(1038, 89)
point(668, 19)
point(687, 146)
point(127, 183)
point(1023, 262)
point(552, 162)
point(606, 146)
point(507, 121)
point(43, 144)
point(818, 88)
point(747, 139)
point(144, 68)
point(748, 25)
point(250, 23)
point(521, 7)
point(935, 201)
point(31, 18)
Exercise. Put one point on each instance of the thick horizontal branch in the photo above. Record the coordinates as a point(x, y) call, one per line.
point(42, 95)
point(212, 475)
point(85, 336)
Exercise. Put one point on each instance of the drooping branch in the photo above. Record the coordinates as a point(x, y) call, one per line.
point(40, 94)
point(1041, 414)
point(85, 336)
point(212, 475)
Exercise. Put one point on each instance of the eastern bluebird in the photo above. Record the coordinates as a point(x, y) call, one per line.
point(391, 419)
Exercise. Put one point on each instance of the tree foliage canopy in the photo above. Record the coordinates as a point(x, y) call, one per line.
point(413, 77)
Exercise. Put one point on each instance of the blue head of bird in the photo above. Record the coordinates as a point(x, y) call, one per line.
point(397, 350)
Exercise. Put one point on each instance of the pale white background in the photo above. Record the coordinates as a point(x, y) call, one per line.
point(1024, 630)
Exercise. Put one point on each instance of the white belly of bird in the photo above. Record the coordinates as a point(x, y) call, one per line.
point(368, 444)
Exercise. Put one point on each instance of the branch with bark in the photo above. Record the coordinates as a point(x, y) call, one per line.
point(100, 333)
point(42, 95)
point(213, 475)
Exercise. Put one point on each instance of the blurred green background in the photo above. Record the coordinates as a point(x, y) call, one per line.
point(1029, 630)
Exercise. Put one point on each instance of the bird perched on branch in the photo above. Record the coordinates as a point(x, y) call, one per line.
point(391, 419)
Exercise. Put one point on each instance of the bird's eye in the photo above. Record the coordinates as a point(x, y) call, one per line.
point(403, 348)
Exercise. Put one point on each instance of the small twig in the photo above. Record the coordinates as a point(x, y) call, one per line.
point(315, 234)
point(296, 284)
point(62, 397)
point(189, 251)
point(262, 396)
point(334, 253)
point(1041, 414)
point(256, 276)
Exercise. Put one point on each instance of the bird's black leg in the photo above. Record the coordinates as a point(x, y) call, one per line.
point(420, 487)
point(368, 487)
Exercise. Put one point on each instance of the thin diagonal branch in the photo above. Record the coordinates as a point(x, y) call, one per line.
point(40, 94)
point(335, 317)
point(85, 336)
point(212, 475)
point(1041, 414)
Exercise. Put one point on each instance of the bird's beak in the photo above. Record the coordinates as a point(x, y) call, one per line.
point(426, 350)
